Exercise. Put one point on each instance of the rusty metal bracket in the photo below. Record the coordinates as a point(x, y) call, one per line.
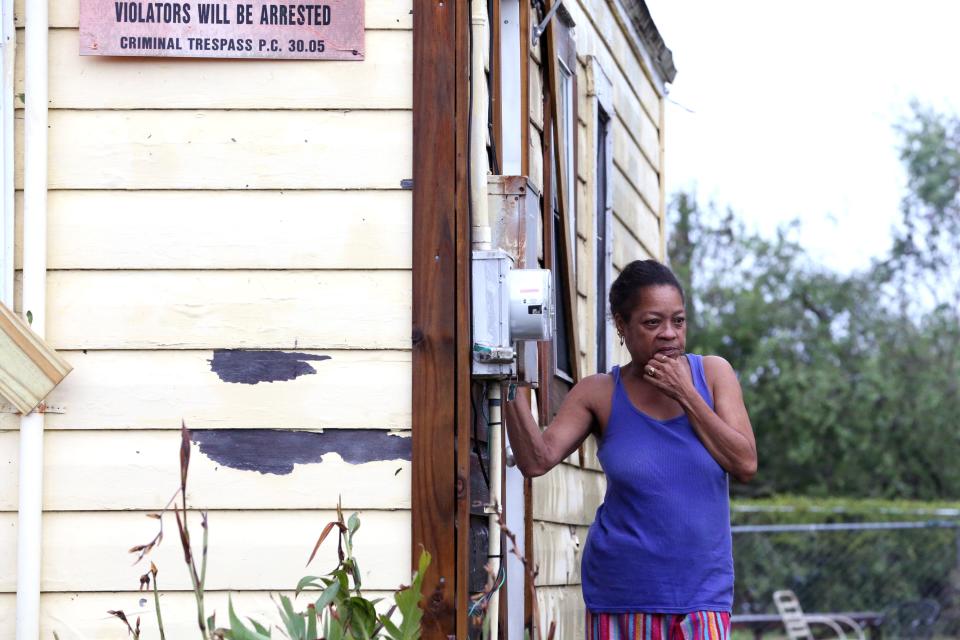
point(41, 408)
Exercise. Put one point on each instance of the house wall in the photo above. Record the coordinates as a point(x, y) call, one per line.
point(566, 499)
point(198, 207)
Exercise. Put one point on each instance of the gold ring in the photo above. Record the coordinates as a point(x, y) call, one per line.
point(651, 371)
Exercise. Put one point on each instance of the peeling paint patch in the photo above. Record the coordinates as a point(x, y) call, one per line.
point(276, 451)
point(251, 366)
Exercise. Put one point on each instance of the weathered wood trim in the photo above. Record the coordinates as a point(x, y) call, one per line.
point(524, 26)
point(436, 168)
point(461, 374)
point(662, 208)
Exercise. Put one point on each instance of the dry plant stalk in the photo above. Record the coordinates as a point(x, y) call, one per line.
point(197, 577)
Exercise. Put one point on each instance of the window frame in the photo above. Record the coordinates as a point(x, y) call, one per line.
point(600, 101)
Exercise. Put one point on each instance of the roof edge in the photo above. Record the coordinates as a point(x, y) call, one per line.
point(660, 54)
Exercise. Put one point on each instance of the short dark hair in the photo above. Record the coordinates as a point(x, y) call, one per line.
point(636, 276)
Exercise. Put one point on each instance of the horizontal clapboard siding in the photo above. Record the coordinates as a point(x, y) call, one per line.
point(249, 550)
point(599, 33)
point(378, 14)
point(638, 219)
point(139, 470)
point(227, 149)
point(228, 309)
point(226, 230)
point(82, 616)
point(562, 605)
point(157, 389)
point(94, 82)
point(568, 495)
point(199, 204)
point(558, 549)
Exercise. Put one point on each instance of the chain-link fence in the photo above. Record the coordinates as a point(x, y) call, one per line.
point(883, 570)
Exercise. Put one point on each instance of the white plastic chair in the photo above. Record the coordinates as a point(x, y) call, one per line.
point(798, 623)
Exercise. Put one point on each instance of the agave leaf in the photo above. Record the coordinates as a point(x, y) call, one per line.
point(392, 630)
point(311, 622)
point(238, 630)
point(259, 627)
point(293, 621)
point(408, 601)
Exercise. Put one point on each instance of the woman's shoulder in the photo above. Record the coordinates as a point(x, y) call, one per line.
point(596, 388)
point(716, 368)
point(597, 381)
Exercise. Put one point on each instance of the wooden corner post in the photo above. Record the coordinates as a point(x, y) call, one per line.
point(441, 310)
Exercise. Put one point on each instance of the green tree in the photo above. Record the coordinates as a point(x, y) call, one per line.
point(851, 380)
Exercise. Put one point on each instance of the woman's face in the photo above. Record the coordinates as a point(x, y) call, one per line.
point(657, 324)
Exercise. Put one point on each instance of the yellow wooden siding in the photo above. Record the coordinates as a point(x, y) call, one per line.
point(123, 470)
point(639, 220)
point(589, 455)
point(568, 495)
point(93, 82)
point(378, 14)
point(599, 34)
point(156, 389)
point(82, 616)
point(228, 309)
point(558, 549)
point(226, 230)
point(227, 149)
point(636, 169)
point(200, 204)
point(249, 550)
point(562, 605)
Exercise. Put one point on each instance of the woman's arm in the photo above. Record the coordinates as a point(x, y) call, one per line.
point(725, 431)
point(535, 451)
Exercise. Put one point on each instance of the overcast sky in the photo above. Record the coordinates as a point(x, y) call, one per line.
point(793, 106)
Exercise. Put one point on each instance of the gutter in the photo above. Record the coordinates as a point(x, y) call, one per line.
point(29, 522)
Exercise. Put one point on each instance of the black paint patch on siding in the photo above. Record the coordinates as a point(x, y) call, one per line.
point(275, 451)
point(250, 366)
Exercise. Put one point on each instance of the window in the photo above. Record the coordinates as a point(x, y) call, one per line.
point(564, 365)
point(562, 370)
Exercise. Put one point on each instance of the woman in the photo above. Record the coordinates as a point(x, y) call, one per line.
point(671, 426)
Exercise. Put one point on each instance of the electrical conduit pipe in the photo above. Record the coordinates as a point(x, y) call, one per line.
point(494, 552)
point(480, 223)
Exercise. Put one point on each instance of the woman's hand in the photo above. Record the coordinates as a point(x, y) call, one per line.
point(670, 375)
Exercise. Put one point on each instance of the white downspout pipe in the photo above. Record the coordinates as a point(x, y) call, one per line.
point(495, 437)
point(479, 109)
point(29, 523)
point(9, 48)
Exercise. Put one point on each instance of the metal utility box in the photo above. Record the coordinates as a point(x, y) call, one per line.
point(493, 354)
point(514, 205)
point(531, 304)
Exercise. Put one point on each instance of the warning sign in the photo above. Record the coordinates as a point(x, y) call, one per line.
point(331, 30)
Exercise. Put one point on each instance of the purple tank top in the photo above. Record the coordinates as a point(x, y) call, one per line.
point(661, 540)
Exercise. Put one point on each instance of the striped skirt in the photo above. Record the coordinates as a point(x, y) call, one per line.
point(700, 625)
